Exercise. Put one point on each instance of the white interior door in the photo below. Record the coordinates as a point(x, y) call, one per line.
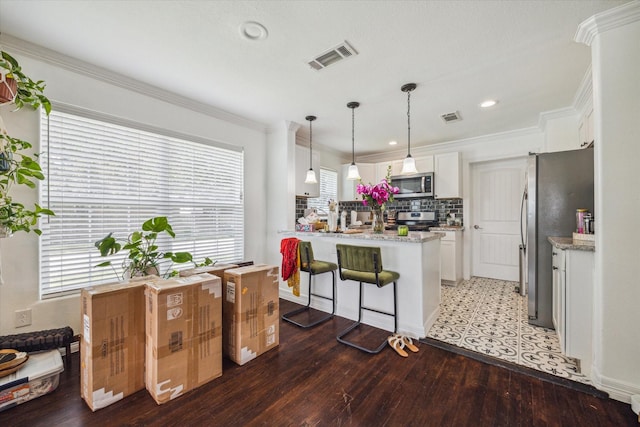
point(495, 226)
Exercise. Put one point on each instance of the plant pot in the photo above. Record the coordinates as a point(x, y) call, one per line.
point(8, 89)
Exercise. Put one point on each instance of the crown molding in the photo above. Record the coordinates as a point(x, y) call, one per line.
point(607, 20)
point(584, 95)
point(555, 114)
point(74, 65)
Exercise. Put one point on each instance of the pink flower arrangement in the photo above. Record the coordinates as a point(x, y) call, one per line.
point(377, 194)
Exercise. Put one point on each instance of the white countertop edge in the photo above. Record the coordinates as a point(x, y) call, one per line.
point(413, 237)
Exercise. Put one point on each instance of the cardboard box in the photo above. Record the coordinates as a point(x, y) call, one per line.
point(36, 377)
point(113, 342)
point(216, 270)
point(250, 312)
point(184, 335)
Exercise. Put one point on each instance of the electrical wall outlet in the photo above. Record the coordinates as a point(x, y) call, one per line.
point(23, 317)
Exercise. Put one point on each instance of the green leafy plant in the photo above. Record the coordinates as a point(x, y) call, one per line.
point(16, 167)
point(144, 256)
point(28, 92)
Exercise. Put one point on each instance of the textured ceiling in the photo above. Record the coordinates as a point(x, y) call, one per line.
point(458, 52)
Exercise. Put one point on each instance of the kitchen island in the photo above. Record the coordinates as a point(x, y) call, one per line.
point(416, 257)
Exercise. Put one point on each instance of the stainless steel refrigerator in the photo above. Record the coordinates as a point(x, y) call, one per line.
point(557, 184)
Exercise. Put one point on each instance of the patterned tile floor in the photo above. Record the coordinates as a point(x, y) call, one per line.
point(487, 316)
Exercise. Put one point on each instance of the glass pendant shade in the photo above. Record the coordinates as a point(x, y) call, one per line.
point(408, 165)
point(353, 173)
point(311, 177)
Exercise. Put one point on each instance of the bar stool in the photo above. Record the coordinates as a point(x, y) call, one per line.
point(364, 264)
point(313, 267)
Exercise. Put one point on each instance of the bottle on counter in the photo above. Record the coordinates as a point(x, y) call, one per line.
point(343, 220)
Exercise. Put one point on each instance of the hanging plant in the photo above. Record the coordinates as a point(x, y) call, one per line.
point(17, 167)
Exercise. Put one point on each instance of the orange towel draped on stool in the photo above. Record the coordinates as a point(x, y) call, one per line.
point(291, 263)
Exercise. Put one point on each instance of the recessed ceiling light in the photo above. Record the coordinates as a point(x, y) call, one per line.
point(393, 142)
point(489, 103)
point(253, 31)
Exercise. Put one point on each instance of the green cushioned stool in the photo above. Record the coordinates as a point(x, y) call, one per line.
point(364, 264)
point(314, 267)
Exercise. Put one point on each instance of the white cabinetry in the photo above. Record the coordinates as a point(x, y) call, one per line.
point(302, 166)
point(348, 188)
point(451, 257)
point(558, 285)
point(585, 128)
point(573, 303)
point(447, 176)
point(381, 169)
point(424, 164)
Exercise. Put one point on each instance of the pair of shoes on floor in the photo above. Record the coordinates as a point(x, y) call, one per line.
point(399, 342)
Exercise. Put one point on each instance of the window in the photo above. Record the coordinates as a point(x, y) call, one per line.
point(107, 175)
point(328, 191)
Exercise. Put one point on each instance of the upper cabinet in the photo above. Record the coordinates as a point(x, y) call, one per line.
point(302, 166)
point(446, 176)
point(585, 128)
point(424, 164)
point(348, 189)
point(382, 167)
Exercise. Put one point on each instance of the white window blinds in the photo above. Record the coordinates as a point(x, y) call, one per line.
point(328, 190)
point(104, 175)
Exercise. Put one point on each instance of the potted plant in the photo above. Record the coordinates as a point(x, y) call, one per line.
point(144, 254)
point(16, 167)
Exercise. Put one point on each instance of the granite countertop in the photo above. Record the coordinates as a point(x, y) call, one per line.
point(392, 236)
point(569, 243)
point(447, 228)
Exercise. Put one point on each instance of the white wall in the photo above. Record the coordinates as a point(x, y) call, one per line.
point(20, 253)
point(613, 37)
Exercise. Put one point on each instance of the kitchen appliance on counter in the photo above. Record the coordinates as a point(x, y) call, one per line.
point(416, 221)
point(415, 185)
point(557, 184)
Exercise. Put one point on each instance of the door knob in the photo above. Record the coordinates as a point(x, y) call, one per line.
point(477, 227)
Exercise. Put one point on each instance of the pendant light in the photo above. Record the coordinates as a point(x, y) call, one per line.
point(408, 164)
point(311, 175)
point(353, 169)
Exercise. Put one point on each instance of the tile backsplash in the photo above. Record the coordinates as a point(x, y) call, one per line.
point(441, 207)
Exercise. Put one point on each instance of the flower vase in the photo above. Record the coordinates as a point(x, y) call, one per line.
point(377, 223)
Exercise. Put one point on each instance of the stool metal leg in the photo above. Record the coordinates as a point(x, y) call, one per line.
point(287, 316)
point(376, 350)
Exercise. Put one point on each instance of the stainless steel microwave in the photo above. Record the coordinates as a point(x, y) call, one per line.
point(415, 185)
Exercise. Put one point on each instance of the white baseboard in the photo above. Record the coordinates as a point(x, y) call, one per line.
point(618, 390)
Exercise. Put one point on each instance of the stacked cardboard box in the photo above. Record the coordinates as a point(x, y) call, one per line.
point(250, 312)
point(113, 342)
point(184, 335)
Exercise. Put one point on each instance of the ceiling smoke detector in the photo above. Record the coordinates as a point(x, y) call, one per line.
point(343, 51)
point(451, 117)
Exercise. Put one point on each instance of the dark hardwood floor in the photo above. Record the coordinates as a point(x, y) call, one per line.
point(311, 379)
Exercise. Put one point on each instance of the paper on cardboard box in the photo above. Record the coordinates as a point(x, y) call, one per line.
point(113, 342)
point(250, 312)
point(184, 335)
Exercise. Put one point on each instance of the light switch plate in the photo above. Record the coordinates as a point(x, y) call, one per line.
point(23, 317)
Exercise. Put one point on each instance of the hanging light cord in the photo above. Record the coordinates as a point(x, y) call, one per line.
point(353, 144)
point(310, 145)
point(409, 123)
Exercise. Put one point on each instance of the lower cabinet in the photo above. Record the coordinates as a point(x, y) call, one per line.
point(451, 257)
point(573, 303)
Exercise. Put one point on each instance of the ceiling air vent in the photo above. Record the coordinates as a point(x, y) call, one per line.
point(333, 55)
point(451, 117)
